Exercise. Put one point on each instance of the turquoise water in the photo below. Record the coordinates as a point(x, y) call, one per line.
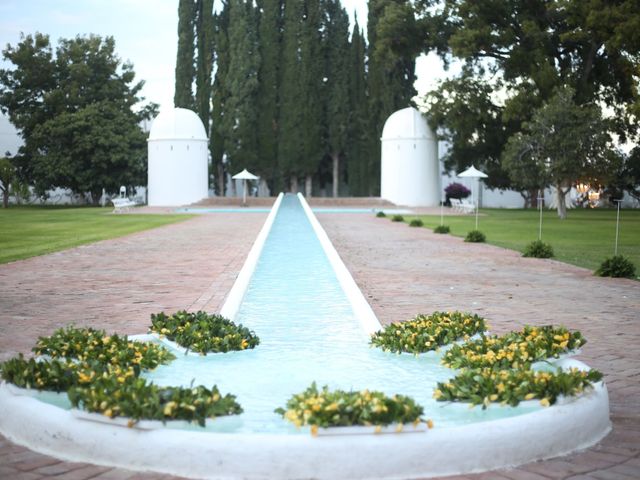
point(308, 333)
point(267, 210)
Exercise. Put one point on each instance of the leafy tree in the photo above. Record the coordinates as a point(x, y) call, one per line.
point(7, 177)
point(270, 43)
point(473, 124)
point(54, 101)
point(337, 75)
point(185, 70)
point(204, 63)
point(531, 48)
point(563, 143)
point(98, 146)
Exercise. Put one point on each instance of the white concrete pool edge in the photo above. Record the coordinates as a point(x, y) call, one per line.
point(239, 288)
point(361, 308)
point(508, 442)
point(573, 425)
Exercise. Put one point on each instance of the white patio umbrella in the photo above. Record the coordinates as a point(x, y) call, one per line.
point(473, 172)
point(244, 175)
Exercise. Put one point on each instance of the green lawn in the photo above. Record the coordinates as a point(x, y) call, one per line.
point(29, 231)
point(585, 238)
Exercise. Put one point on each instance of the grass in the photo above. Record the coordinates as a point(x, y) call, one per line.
point(585, 238)
point(30, 231)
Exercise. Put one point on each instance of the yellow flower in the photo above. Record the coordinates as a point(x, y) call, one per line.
point(545, 402)
point(529, 396)
point(169, 408)
point(399, 427)
point(378, 429)
point(314, 430)
point(430, 423)
point(437, 393)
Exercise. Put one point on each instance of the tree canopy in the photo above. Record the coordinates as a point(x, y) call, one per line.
point(65, 104)
point(517, 56)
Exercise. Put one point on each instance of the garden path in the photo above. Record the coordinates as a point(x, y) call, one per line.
point(117, 284)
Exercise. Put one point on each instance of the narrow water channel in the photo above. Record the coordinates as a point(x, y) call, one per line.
point(308, 333)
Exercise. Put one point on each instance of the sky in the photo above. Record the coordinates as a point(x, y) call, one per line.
point(145, 33)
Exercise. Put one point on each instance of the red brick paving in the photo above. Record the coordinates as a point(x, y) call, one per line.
point(117, 284)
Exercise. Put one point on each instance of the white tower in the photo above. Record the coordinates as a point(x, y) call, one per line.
point(410, 168)
point(178, 167)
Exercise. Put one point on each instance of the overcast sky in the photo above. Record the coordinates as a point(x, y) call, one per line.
point(145, 32)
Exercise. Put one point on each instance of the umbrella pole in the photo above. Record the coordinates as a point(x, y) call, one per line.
point(244, 192)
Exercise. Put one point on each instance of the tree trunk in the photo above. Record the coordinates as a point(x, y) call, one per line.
point(308, 186)
point(294, 184)
point(336, 173)
point(221, 180)
point(5, 197)
point(560, 200)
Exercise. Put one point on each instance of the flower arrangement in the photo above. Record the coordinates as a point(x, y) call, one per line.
point(428, 332)
point(88, 344)
point(325, 408)
point(101, 373)
point(137, 399)
point(515, 349)
point(456, 190)
point(202, 332)
point(509, 387)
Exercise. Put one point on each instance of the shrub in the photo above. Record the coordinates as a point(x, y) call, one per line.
point(324, 408)
point(428, 332)
point(514, 349)
point(441, 229)
point(416, 222)
point(475, 236)
point(202, 332)
point(538, 249)
point(510, 387)
point(54, 375)
point(397, 218)
point(456, 190)
point(381, 214)
point(616, 266)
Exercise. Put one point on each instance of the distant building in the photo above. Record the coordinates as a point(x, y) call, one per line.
point(410, 169)
point(178, 165)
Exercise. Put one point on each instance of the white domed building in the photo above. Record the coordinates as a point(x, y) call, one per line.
point(410, 169)
point(178, 159)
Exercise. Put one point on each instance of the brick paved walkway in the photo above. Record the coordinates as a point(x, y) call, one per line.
point(117, 284)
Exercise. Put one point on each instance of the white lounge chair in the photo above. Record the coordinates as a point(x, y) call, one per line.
point(122, 204)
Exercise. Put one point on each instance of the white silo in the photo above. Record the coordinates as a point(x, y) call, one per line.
point(178, 166)
point(410, 168)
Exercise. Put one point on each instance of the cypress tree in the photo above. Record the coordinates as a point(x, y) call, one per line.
point(270, 36)
point(240, 119)
point(291, 95)
point(185, 72)
point(337, 75)
point(204, 64)
point(219, 97)
point(311, 71)
point(359, 140)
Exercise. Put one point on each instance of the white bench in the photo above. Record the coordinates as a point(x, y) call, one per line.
point(122, 204)
point(462, 206)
